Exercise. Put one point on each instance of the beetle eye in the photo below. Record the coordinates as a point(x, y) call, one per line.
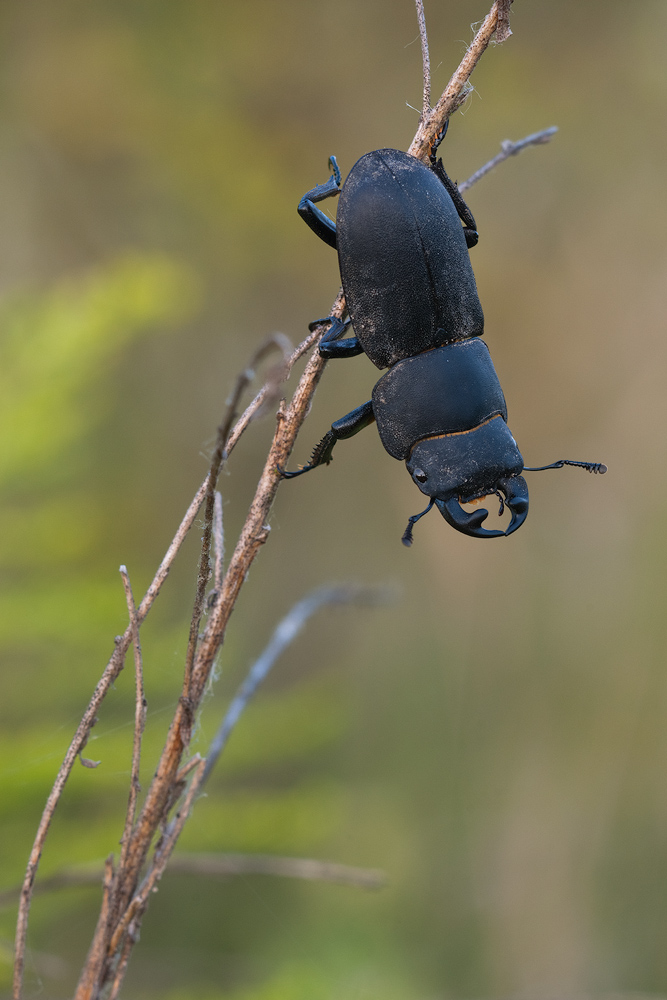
point(420, 475)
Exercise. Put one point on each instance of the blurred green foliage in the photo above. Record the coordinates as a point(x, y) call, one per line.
point(498, 741)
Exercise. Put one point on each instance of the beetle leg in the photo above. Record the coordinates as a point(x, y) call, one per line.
point(346, 427)
point(465, 215)
point(320, 223)
point(331, 347)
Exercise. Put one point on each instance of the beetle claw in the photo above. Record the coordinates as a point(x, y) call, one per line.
point(469, 524)
point(515, 489)
point(516, 499)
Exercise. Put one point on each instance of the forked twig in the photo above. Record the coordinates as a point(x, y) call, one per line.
point(111, 672)
point(433, 123)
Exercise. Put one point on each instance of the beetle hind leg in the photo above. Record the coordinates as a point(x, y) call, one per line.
point(346, 427)
point(464, 213)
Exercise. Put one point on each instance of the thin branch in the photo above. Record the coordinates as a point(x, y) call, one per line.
point(139, 902)
point(94, 966)
point(285, 633)
point(121, 968)
point(224, 865)
point(220, 866)
point(509, 149)
point(219, 540)
point(261, 400)
point(139, 724)
point(426, 61)
point(420, 146)
point(219, 455)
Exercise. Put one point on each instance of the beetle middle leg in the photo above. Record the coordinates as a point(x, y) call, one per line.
point(330, 345)
point(346, 427)
point(320, 223)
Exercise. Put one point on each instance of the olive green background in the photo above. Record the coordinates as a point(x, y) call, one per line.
point(495, 740)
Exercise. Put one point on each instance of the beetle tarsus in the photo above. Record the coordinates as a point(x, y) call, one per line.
point(322, 451)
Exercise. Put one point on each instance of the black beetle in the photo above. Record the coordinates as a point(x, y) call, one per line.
point(412, 300)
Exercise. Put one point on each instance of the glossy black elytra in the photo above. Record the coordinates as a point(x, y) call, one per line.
point(412, 301)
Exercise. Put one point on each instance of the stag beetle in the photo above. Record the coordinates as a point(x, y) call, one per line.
point(412, 301)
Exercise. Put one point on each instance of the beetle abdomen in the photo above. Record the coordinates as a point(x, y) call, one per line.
point(403, 259)
point(450, 389)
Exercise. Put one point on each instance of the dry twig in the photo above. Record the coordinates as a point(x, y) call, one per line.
point(426, 61)
point(219, 866)
point(433, 123)
point(508, 149)
point(219, 539)
point(139, 718)
point(118, 926)
point(284, 634)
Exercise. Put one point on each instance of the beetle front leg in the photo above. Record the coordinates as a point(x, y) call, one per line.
point(346, 427)
point(330, 345)
point(320, 223)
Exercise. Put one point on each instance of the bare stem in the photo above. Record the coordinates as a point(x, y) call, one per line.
point(219, 866)
point(139, 725)
point(284, 634)
point(219, 455)
point(509, 149)
point(426, 61)
point(219, 539)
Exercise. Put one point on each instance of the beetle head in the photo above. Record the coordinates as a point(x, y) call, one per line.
point(459, 468)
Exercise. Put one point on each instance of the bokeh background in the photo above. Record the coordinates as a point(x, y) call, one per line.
point(496, 740)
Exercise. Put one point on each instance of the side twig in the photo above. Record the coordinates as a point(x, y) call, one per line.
point(218, 866)
point(420, 146)
point(284, 634)
point(508, 149)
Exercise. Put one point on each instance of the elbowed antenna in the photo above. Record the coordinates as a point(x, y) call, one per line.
point(596, 467)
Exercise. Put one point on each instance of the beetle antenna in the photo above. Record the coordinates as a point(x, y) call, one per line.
point(596, 467)
point(407, 534)
point(502, 503)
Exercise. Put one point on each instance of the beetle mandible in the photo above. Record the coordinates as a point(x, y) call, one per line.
point(402, 233)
